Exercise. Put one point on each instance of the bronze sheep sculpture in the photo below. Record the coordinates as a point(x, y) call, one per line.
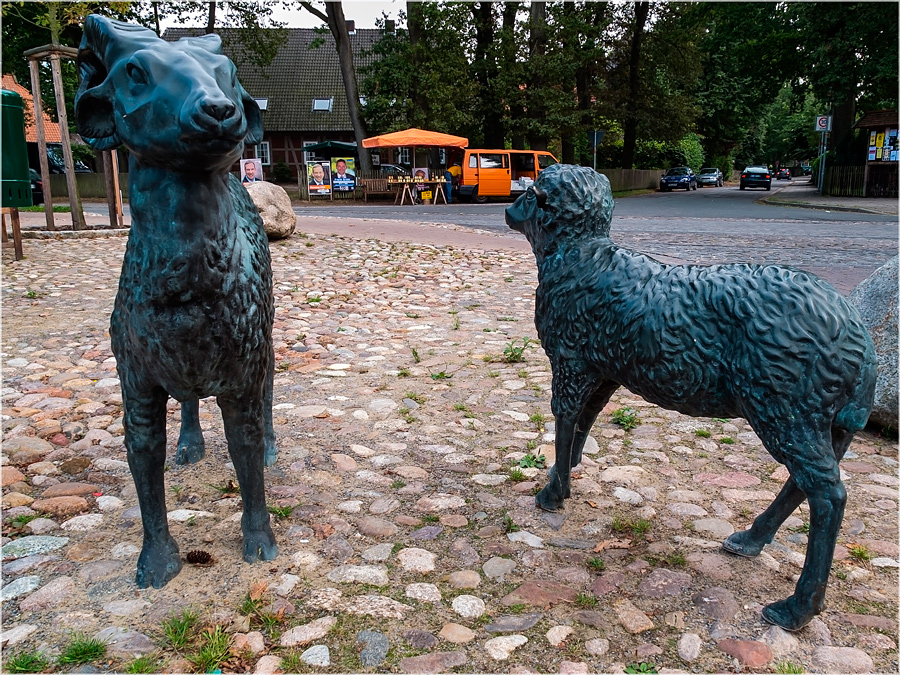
point(773, 345)
point(194, 309)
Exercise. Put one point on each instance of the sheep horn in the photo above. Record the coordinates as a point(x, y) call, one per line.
point(540, 195)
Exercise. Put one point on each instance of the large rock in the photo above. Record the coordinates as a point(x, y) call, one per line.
point(876, 299)
point(275, 208)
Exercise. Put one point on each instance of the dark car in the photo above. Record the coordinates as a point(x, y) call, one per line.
point(392, 170)
point(783, 174)
point(756, 177)
point(710, 176)
point(678, 177)
point(37, 187)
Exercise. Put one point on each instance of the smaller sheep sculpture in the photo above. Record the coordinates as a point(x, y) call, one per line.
point(776, 346)
point(194, 310)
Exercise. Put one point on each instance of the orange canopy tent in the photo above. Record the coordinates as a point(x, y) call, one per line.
point(415, 138)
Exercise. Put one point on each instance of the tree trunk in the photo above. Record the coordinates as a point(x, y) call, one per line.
point(629, 141)
point(485, 67)
point(516, 112)
point(416, 31)
point(537, 48)
point(334, 17)
point(211, 20)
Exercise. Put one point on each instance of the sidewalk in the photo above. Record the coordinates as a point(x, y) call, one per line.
point(804, 194)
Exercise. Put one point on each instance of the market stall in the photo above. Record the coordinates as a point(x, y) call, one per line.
point(432, 180)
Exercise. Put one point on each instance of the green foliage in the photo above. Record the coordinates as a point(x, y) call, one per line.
point(641, 668)
point(702, 433)
point(82, 649)
point(596, 564)
point(513, 353)
point(280, 511)
point(178, 629)
point(532, 461)
point(788, 667)
point(143, 664)
point(281, 173)
point(213, 651)
point(625, 417)
point(26, 662)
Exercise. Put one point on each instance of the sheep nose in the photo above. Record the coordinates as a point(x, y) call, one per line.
point(219, 109)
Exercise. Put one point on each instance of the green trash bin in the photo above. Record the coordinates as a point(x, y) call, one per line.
point(16, 184)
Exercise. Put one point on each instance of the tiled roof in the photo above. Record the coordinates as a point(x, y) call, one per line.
point(876, 119)
point(51, 128)
point(298, 74)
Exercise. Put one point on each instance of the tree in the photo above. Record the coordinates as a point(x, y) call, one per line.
point(849, 57)
point(334, 17)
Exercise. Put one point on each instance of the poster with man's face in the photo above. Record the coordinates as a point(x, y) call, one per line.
point(319, 179)
point(343, 174)
point(251, 171)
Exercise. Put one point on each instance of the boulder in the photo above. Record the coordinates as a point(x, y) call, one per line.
point(876, 299)
point(275, 208)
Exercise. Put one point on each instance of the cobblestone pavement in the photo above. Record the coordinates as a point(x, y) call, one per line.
point(411, 409)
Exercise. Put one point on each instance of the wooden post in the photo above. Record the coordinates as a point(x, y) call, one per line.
point(74, 199)
point(38, 109)
point(111, 173)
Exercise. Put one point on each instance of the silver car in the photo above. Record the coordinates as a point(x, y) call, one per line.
point(710, 176)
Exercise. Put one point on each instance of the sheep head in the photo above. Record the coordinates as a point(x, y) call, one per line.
point(565, 202)
point(175, 105)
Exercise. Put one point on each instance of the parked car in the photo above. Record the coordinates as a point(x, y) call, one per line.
point(392, 170)
point(37, 187)
point(756, 176)
point(678, 177)
point(710, 176)
point(783, 174)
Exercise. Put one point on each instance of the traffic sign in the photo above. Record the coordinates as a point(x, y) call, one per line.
point(823, 123)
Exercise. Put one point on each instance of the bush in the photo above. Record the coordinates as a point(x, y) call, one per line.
point(281, 173)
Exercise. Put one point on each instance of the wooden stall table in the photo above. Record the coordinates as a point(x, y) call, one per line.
point(410, 189)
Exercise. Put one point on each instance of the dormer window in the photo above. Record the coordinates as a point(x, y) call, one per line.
point(322, 104)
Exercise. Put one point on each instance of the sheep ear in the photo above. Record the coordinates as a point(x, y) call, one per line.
point(210, 42)
point(540, 195)
point(254, 119)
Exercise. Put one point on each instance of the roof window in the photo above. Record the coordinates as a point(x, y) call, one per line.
point(322, 104)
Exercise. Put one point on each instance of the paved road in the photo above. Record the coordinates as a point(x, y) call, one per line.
point(709, 225)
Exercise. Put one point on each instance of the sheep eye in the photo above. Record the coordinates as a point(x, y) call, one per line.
point(135, 73)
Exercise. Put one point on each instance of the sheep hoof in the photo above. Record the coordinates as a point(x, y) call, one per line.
point(157, 565)
point(786, 615)
point(741, 544)
point(191, 447)
point(259, 545)
point(548, 499)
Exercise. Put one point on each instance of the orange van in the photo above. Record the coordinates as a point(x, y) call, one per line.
point(500, 173)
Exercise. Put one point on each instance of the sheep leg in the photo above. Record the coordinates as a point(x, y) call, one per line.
point(191, 448)
point(271, 453)
point(245, 432)
point(145, 440)
point(588, 416)
point(571, 393)
point(819, 477)
point(750, 543)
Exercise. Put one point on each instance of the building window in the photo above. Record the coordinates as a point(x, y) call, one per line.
point(403, 156)
point(322, 104)
point(262, 153)
point(310, 157)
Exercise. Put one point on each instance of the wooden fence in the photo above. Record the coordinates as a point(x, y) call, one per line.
point(845, 181)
